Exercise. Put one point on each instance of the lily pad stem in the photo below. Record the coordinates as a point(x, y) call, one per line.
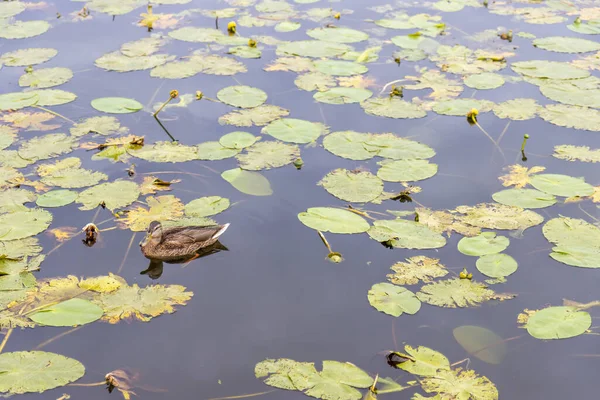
point(55, 113)
point(5, 340)
point(161, 107)
point(325, 242)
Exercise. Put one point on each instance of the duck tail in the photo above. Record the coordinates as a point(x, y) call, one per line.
point(220, 231)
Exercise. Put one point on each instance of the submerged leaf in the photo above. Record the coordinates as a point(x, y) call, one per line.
point(248, 182)
point(481, 343)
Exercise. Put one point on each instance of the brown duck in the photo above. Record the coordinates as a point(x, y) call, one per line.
point(180, 242)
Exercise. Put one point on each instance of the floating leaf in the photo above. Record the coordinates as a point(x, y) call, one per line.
point(406, 170)
point(392, 108)
point(519, 176)
point(406, 234)
point(71, 312)
point(562, 44)
point(561, 185)
point(517, 109)
point(482, 244)
point(48, 146)
point(51, 371)
point(458, 384)
point(17, 100)
point(458, 292)
point(481, 343)
point(160, 208)
point(569, 93)
point(287, 26)
point(248, 182)
point(25, 57)
point(425, 361)
point(524, 198)
point(571, 117)
point(576, 242)
point(45, 77)
point(415, 269)
point(314, 81)
point(116, 105)
point(53, 97)
point(485, 80)
point(112, 195)
point(143, 304)
point(245, 52)
point(343, 95)
point(358, 187)
point(23, 223)
point(339, 68)
point(165, 152)
point(206, 206)
point(56, 198)
point(442, 87)
point(312, 48)
point(260, 116)
point(20, 248)
point(393, 300)
point(549, 69)
point(30, 121)
point(67, 173)
point(14, 198)
point(337, 35)
point(498, 216)
point(116, 61)
point(461, 107)
point(214, 151)
point(558, 323)
point(104, 125)
point(242, 96)
point(10, 9)
point(267, 155)
point(23, 29)
point(445, 222)
point(334, 220)
point(577, 153)
point(496, 265)
point(295, 130)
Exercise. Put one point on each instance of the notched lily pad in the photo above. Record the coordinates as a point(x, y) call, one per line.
point(334, 220)
point(393, 300)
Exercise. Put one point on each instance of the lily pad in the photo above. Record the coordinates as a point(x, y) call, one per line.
point(112, 195)
point(343, 95)
point(416, 269)
point(481, 343)
point(116, 105)
point(425, 361)
point(571, 117)
point(103, 125)
point(17, 100)
point(56, 198)
point(337, 35)
point(496, 265)
point(242, 96)
point(206, 206)
point(517, 109)
point(358, 187)
point(214, 151)
point(315, 81)
point(24, 223)
point(53, 97)
point(456, 292)
point(458, 384)
point(498, 216)
point(295, 130)
point(46, 77)
point(404, 234)
point(524, 198)
point(23, 29)
point(548, 69)
point(483, 244)
point(392, 108)
point(71, 312)
point(287, 26)
point(245, 52)
point(267, 155)
point(313, 48)
point(48, 146)
point(160, 208)
point(51, 371)
point(165, 152)
point(576, 242)
point(340, 68)
point(248, 182)
point(461, 107)
point(561, 44)
point(558, 323)
point(486, 80)
point(238, 140)
point(393, 300)
point(561, 185)
point(406, 170)
point(576, 153)
point(25, 57)
point(259, 116)
point(116, 61)
point(334, 220)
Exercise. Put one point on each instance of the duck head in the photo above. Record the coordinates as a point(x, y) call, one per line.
point(153, 235)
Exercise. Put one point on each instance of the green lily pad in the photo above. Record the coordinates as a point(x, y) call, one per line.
point(14, 199)
point(576, 242)
point(71, 312)
point(340, 68)
point(142, 47)
point(56, 198)
point(496, 265)
point(357, 187)
point(215, 151)
point(165, 152)
point(259, 116)
point(413, 42)
point(499, 216)
point(25, 57)
point(517, 109)
point(576, 153)
point(486, 80)
point(23, 29)
point(558, 323)
point(404, 234)
point(17, 100)
point(312, 48)
point(68, 174)
point(561, 185)
point(483, 244)
point(196, 35)
point(566, 93)
point(562, 44)
point(295, 130)
point(571, 117)
point(116, 61)
point(237, 140)
point(267, 155)
point(242, 96)
point(548, 69)
point(287, 26)
point(12, 8)
point(591, 27)
point(104, 125)
point(461, 107)
point(392, 108)
point(406, 170)
point(524, 198)
point(245, 52)
point(116, 105)
point(334, 220)
point(46, 77)
point(206, 206)
point(426, 362)
point(248, 182)
point(337, 35)
point(53, 97)
point(481, 343)
point(112, 195)
point(24, 223)
point(48, 146)
point(51, 371)
point(456, 384)
point(343, 95)
point(315, 81)
point(393, 300)
point(456, 292)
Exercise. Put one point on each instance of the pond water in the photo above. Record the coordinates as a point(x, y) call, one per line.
point(274, 294)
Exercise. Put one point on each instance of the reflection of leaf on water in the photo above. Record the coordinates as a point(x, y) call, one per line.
point(30, 121)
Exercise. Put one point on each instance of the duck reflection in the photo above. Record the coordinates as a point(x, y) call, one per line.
point(155, 268)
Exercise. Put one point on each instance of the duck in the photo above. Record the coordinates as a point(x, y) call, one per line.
point(172, 244)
